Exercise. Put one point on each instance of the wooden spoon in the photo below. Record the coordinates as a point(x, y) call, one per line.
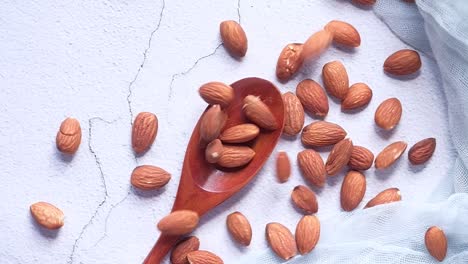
point(202, 185)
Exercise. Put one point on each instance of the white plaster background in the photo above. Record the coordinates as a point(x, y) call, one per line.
point(102, 62)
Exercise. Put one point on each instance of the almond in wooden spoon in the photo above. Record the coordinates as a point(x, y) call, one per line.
point(217, 93)
point(179, 222)
point(212, 123)
point(240, 133)
point(235, 156)
point(180, 251)
point(259, 113)
point(213, 151)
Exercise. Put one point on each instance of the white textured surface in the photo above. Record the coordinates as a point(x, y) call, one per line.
point(101, 61)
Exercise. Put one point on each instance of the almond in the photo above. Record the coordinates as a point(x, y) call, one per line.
point(213, 151)
point(147, 177)
point(361, 158)
point(203, 257)
point(180, 251)
point(259, 113)
point(305, 199)
point(344, 33)
point(293, 114)
point(312, 167)
point(339, 156)
point(289, 61)
point(387, 196)
point(388, 114)
point(352, 190)
point(236, 156)
point(239, 228)
point(335, 79)
point(69, 136)
point(217, 93)
point(316, 44)
point(359, 95)
point(234, 38)
point(364, 2)
point(307, 233)
point(436, 242)
point(313, 97)
point(281, 240)
point(240, 133)
point(212, 123)
point(322, 133)
point(47, 215)
point(390, 154)
point(179, 222)
point(144, 131)
point(403, 62)
point(283, 166)
point(422, 151)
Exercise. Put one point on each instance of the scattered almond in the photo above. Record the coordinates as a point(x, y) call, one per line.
point(69, 136)
point(387, 196)
point(305, 199)
point(47, 215)
point(144, 131)
point(217, 93)
point(213, 151)
point(234, 38)
point(289, 61)
point(283, 167)
point(240, 133)
point(212, 123)
point(180, 251)
point(147, 177)
point(361, 158)
point(307, 233)
point(312, 167)
point(179, 222)
point(359, 95)
point(403, 62)
point(390, 154)
point(335, 79)
point(259, 113)
point(293, 114)
point(322, 133)
point(364, 2)
point(422, 151)
point(316, 44)
point(236, 156)
point(344, 33)
point(352, 190)
point(339, 156)
point(312, 97)
point(388, 114)
point(436, 242)
point(203, 257)
point(239, 228)
point(281, 240)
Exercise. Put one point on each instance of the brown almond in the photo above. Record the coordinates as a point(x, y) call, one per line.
point(283, 167)
point(386, 196)
point(234, 38)
point(69, 136)
point(235, 156)
point(259, 113)
point(179, 222)
point(312, 167)
point(217, 93)
point(344, 33)
point(240, 133)
point(293, 114)
point(281, 240)
point(180, 251)
point(422, 151)
point(305, 199)
point(364, 2)
point(47, 215)
point(335, 79)
point(203, 257)
point(359, 95)
point(390, 154)
point(307, 233)
point(388, 114)
point(361, 158)
point(212, 123)
point(322, 133)
point(339, 156)
point(316, 44)
point(213, 151)
point(289, 61)
point(147, 177)
point(352, 190)
point(436, 242)
point(239, 228)
point(403, 62)
point(313, 97)
point(145, 128)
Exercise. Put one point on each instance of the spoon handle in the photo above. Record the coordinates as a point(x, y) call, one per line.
point(160, 249)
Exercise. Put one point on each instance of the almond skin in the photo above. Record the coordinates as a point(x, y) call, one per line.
point(344, 33)
point(352, 190)
point(180, 251)
point(359, 95)
point(234, 38)
point(364, 2)
point(387, 196)
point(147, 177)
point(313, 97)
point(235, 156)
point(179, 222)
point(403, 62)
point(68, 137)
point(259, 113)
point(335, 79)
point(305, 199)
point(281, 240)
point(240, 133)
point(388, 114)
point(217, 93)
point(322, 133)
point(283, 167)
point(203, 257)
point(390, 154)
point(361, 158)
point(307, 233)
point(239, 228)
point(47, 215)
point(436, 242)
point(144, 131)
point(339, 156)
point(316, 44)
point(289, 61)
point(214, 151)
point(312, 167)
point(422, 151)
point(212, 123)
point(294, 114)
